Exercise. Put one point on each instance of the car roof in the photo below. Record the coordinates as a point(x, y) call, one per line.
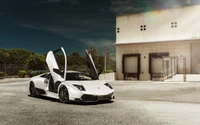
point(73, 72)
point(67, 72)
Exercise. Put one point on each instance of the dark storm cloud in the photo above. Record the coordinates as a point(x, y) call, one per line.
point(47, 1)
point(83, 22)
point(137, 6)
point(71, 2)
point(87, 21)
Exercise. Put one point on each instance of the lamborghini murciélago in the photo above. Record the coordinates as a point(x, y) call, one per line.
point(70, 86)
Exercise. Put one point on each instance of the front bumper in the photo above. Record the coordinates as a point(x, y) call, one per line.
point(95, 98)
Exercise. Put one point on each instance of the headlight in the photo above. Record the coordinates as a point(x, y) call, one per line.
point(80, 87)
point(108, 85)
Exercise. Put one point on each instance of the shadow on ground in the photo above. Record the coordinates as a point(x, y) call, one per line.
point(72, 103)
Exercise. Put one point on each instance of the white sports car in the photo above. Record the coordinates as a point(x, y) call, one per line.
point(70, 85)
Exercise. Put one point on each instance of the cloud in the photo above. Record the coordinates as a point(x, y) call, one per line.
point(86, 36)
point(71, 2)
point(29, 26)
point(93, 39)
point(125, 6)
point(99, 43)
point(134, 6)
point(104, 10)
point(172, 3)
point(47, 1)
point(83, 29)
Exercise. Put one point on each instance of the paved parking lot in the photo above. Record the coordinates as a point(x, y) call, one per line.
point(136, 103)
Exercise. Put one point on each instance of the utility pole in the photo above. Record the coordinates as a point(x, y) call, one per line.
point(105, 54)
point(184, 68)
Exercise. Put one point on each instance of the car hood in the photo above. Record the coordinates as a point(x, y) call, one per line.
point(96, 84)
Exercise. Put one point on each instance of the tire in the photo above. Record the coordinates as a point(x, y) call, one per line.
point(32, 90)
point(63, 94)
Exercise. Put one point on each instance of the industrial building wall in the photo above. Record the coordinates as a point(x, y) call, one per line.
point(195, 58)
point(159, 26)
point(178, 48)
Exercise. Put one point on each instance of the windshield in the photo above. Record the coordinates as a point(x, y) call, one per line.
point(77, 76)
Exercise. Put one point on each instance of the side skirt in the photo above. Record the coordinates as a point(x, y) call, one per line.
point(51, 94)
point(47, 93)
point(40, 91)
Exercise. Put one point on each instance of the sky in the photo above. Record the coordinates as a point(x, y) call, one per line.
point(43, 25)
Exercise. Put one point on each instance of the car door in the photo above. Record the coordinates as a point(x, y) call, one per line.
point(53, 66)
point(91, 67)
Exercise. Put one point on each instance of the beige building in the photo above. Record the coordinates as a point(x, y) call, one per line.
point(145, 40)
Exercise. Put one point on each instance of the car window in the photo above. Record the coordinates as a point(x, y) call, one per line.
point(48, 76)
point(72, 76)
point(77, 76)
point(44, 75)
point(84, 77)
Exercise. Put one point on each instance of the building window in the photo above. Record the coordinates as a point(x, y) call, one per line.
point(143, 27)
point(117, 30)
point(173, 24)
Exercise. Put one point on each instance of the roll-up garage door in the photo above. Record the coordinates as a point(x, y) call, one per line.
point(156, 65)
point(195, 58)
point(131, 64)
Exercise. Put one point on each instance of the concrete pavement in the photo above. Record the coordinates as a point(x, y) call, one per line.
point(136, 103)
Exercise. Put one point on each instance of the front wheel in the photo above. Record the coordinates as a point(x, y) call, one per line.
point(63, 94)
point(32, 90)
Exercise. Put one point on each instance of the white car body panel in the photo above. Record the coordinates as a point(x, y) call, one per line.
point(52, 64)
point(94, 87)
point(51, 94)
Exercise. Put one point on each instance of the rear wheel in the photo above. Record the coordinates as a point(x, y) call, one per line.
point(32, 90)
point(63, 94)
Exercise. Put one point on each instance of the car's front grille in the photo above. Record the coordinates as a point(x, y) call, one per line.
point(88, 98)
point(106, 97)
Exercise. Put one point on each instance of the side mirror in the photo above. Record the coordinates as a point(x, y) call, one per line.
point(46, 81)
